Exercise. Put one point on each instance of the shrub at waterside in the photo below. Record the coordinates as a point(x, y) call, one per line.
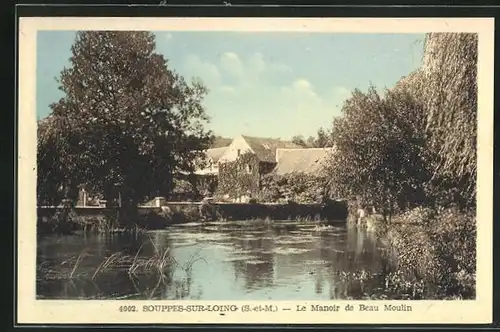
point(438, 246)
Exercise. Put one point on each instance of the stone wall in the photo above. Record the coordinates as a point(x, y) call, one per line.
point(176, 212)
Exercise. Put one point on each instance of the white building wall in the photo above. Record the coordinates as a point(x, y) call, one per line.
point(237, 147)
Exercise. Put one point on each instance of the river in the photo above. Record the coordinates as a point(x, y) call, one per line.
point(218, 261)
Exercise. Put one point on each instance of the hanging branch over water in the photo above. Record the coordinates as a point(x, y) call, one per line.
point(450, 94)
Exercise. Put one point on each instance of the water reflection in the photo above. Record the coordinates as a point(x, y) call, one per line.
point(257, 269)
point(219, 261)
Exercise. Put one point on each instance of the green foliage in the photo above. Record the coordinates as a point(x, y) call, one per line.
point(299, 140)
point(439, 245)
point(53, 180)
point(240, 177)
point(185, 188)
point(194, 187)
point(380, 150)
point(63, 221)
point(207, 185)
point(416, 144)
point(126, 122)
point(297, 187)
point(323, 139)
point(450, 94)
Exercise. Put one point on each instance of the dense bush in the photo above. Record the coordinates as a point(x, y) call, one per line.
point(239, 178)
point(439, 245)
point(296, 187)
point(63, 221)
point(380, 142)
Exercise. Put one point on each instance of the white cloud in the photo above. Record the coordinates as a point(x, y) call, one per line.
point(252, 69)
point(300, 89)
point(257, 62)
point(205, 70)
point(231, 63)
point(302, 85)
point(280, 68)
point(302, 100)
point(260, 85)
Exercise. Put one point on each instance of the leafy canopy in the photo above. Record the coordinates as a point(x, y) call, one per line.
point(450, 94)
point(379, 149)
point(127, 121)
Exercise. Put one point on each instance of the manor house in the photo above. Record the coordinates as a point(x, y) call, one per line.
point(256, 157)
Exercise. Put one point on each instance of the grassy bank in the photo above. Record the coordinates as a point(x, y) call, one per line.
point(437, 246)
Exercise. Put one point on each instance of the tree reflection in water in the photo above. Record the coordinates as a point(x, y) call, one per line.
point(258, 270)
point(241, 260)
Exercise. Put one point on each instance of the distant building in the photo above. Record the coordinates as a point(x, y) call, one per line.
point(242, 164)
point(263, 148)
point(211, 162)
point(246, 160)
point(236, 171)
point(308, 161)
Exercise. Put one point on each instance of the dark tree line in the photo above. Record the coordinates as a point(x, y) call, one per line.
point(323, 139)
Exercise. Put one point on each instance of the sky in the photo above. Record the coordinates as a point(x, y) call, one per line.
point(260, 83)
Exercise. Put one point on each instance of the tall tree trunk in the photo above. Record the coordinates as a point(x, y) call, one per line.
point(128, 214)
point(109, 196)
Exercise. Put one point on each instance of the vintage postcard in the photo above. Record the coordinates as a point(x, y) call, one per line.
point(255, 170)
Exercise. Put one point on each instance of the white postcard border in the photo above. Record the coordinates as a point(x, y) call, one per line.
point(32, 311)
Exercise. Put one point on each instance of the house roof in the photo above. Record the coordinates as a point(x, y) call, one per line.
point(220, 142)
point(212, 156)
point(300, 160)
point(265, 148)
point(215, 153)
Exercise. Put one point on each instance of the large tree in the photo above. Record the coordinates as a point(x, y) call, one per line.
point(54, 173)
point(380, 150)
point(446, 85)
point(127, 122)
point(449, 90)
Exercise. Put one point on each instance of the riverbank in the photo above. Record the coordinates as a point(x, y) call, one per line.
point(438, 246)
point(63, 220)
